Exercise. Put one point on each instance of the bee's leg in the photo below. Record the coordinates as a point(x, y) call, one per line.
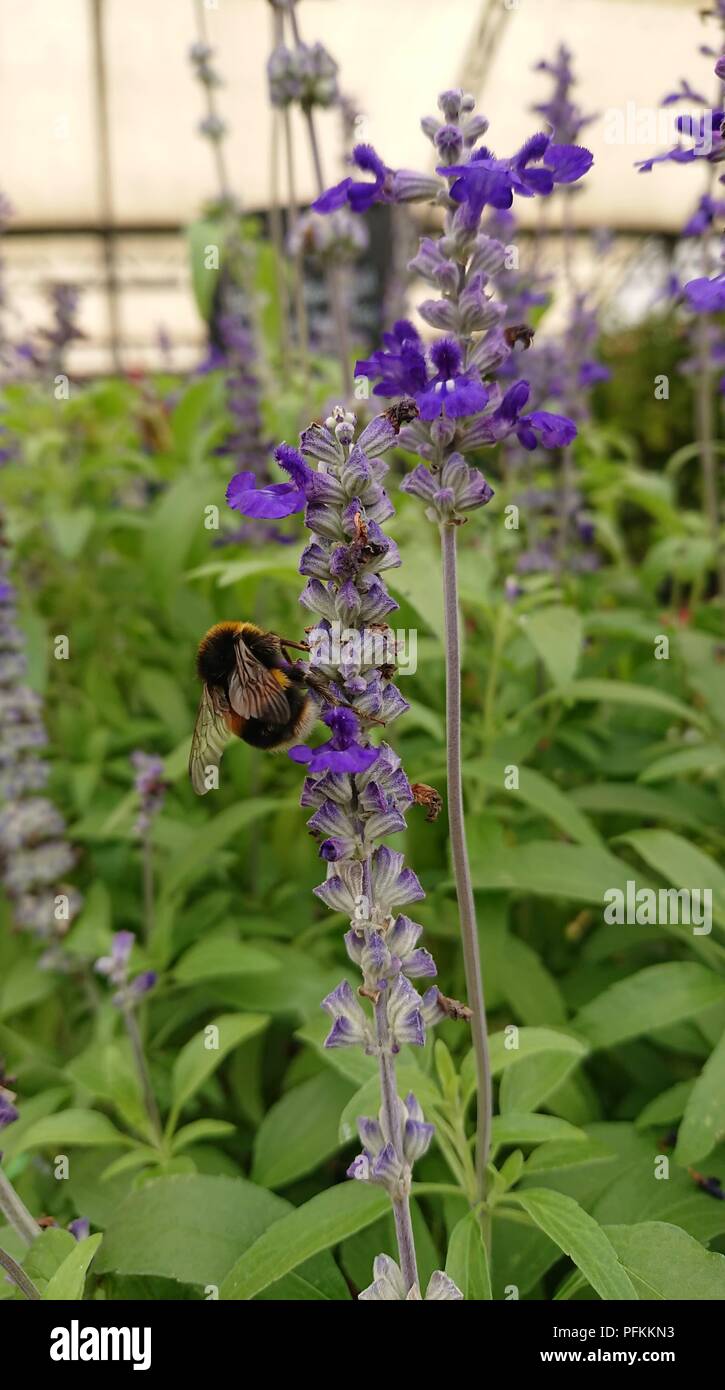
point(296, 646)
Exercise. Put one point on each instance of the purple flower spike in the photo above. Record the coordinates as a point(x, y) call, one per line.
point(80, 1228)
point(341, 753)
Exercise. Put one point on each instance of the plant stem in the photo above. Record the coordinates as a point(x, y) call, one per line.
point(708, 461)
point(393, 1123)
point(144, 1077)
point(18, 1275)
point(457, 831)
point(15, 1211)
point(392, 1118)
point(299, 294)
point(334, 276)
point(489, 703)
point(148, 884)
point(212, 113)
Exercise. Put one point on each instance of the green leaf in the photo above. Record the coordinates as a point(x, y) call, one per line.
point(641, 696)
point(580, 1237)
point(556, 634)
point(624, 799)
point(29, 1111)
point(467, 1262)
point(534, 1080)
point(70, 530)
point(703, 1123)
point(513, 1128)
point(563, 1153)
point(417, 582)
point(210, 838)
point(196, 1062)
point(69, 1279)
point(707, 758)
point(681, 864)
point(200, 234)
point(73, 1129)
point(552, 869)
point(652, 998)
point(218, 955)
point(192, 1228)
point(161, 693)
point(666, 1263)
point(23, 985)
point(108, 1072)
point(667, 1107)
point(528, 1042)
point(538, 792)
point(46, 1255)
point(142, 1157)
point(200, 1129)
point(320, 1223)
point(173, 522)
point(300, 1130)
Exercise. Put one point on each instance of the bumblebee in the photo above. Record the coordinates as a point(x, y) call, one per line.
point(251, 691)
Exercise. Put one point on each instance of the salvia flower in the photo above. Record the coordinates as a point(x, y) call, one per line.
point(150, 786)
point(459, 407)
point(389, 1285)
point(306, 74)
point(34, 853)
point(358, 792)
point(116, 969)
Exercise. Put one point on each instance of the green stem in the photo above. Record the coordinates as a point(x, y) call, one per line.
point(18, 1275)
point(15, 1211)
point(459, 853)
point(139, 1057)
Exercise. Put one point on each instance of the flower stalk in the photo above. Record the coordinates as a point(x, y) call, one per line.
point(459, 855)
point(15, 1211)
point(18, 1275)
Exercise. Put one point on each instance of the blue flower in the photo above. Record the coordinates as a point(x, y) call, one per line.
point(358, 194)
point(341, 753)
point(400, 364)
point(487, 181)
point(437, 383)
point(454, 392)
point(706, 296)
point(245, 494)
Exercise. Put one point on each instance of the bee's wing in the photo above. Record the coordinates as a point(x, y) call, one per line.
point(211, 736)
point(254, 690)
